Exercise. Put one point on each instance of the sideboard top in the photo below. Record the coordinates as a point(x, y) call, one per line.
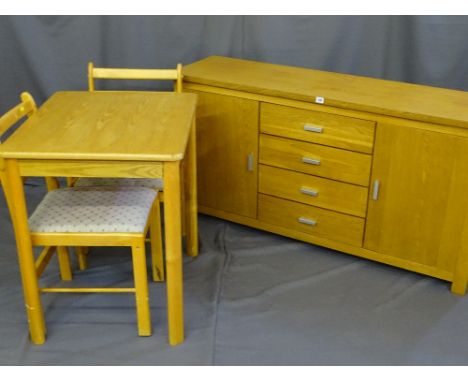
point(398, 99)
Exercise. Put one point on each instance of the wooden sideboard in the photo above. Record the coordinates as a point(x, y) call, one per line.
point(373, 168)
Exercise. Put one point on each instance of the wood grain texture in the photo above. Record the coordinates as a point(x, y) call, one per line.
point(404, 100)
point(460, 277)
point(332, 195)
point(337, 164)
point(190, 194)
point(135, 74)
point(420, 156)
point(90, 169)
point(421, 207)
point(43, 260)
point(331, 225)
point(85, 134)
point(87, 290)
point(227, 132)
point(66, 273)
point(118, 239)
point(140, 126)
point(174, 269)
point(141, 289)
point(337, 131)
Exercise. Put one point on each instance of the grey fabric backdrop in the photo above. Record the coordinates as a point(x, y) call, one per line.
point(250, 297)
point(50, 53)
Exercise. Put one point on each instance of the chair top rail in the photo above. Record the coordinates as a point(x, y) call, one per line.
point(135, 74)
point(12, 116)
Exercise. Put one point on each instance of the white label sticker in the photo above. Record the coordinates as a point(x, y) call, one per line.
point(319, 100)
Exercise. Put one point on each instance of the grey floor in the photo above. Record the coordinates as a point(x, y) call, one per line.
point(251, 298)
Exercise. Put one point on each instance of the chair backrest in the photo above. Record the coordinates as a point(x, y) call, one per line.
point(135, 74)
point(26, 108)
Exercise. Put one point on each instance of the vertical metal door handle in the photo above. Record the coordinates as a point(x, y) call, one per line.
point(312, 128)
point(375, 191)
point(250, 162)
point(313, 161)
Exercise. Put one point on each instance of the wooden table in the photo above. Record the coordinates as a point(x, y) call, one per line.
point(108, 134)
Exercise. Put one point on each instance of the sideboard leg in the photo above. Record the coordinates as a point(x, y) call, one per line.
point(459, 286)
point(460, 277)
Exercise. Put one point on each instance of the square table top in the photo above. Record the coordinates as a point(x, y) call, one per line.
point(140, 126)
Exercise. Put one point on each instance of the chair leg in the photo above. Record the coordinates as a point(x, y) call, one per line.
point(161, 196)
point(157, 260)
point(62, 252)
point(82, 255)
point(141, 289)
point(64, 263)
point(51, 183)
point(71, 181)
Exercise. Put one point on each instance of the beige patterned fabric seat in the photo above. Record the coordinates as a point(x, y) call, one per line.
point(94, 209)
point(120, 182)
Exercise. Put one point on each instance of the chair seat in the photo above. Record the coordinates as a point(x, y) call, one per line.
point(94, 210)
point(120, 182)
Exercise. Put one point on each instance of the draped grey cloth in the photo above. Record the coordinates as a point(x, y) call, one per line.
point(251, 298)
point(44, 54)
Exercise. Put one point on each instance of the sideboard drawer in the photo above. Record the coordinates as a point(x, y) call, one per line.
point(313, 190)
point(328, 162)
point(312, 220)
point(318, 127)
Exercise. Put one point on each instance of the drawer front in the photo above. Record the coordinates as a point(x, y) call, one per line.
point(327, 162)
point(313, 190)
point(312, 220)
point(317, 127)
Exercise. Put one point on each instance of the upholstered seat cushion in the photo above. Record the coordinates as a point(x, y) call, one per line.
point(120, 182)
point(94, 209)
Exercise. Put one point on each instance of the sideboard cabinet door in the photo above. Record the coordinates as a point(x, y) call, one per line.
point(419, 197)
point(227, 153)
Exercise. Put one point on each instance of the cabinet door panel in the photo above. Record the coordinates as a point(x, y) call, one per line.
point(227, 152)
point(422, 201)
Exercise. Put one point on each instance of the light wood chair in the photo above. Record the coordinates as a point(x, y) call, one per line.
point(157, 184)
point(91, 216)
point(134, 74)
point(26, 109)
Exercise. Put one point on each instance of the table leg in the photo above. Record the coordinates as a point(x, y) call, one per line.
point(191, 210)
point(173, 233)
point(14, 193)
point(183, 204)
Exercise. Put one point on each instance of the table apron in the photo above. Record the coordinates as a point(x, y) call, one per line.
point(90, 168)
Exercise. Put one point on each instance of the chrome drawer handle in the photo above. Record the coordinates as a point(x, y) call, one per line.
point(308, 191)
point(307, 221)
point(313, 161)
point(250, 162)
point(313, 129)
